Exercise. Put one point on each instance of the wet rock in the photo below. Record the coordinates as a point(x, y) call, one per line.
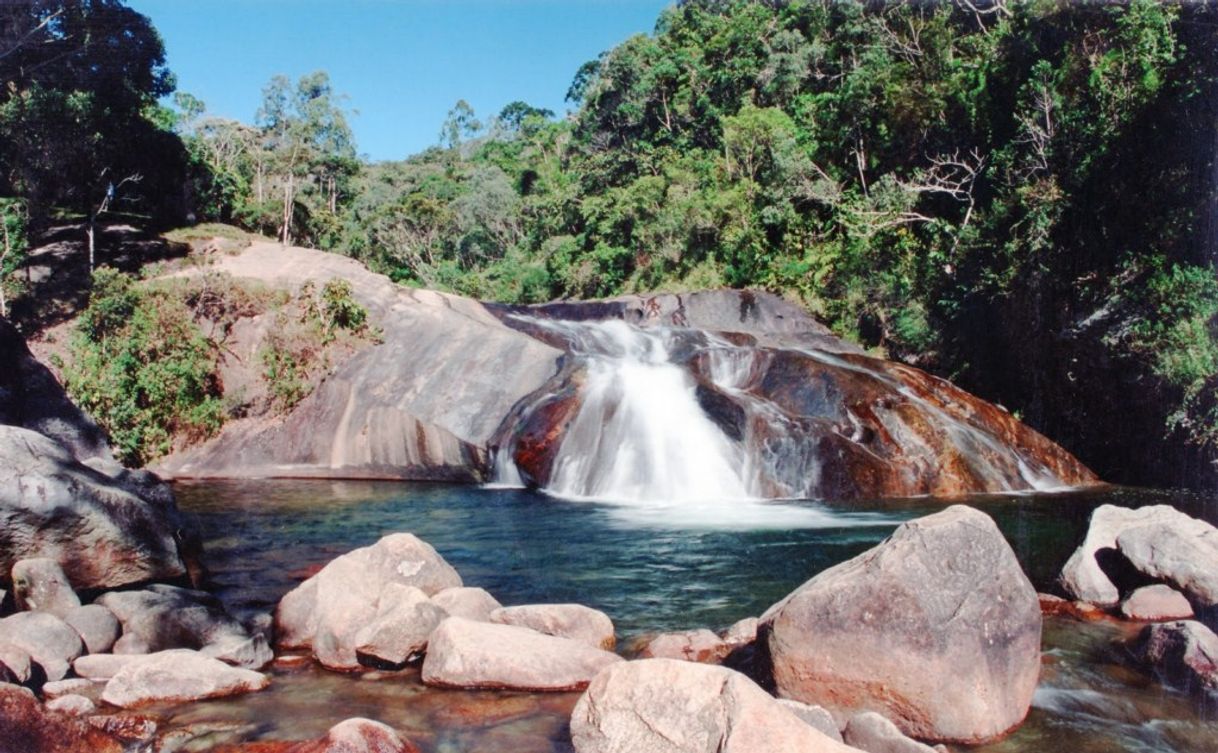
point(26, 727)
point(937, 629)
point(405, 617)
point(574, 621)
point(47, 639)
point(816, 716)
point(741, 632)
point(176, 676)
point(72, 705)
point(873, 733)
point(103, 666)
point(1079, 610)
point(1180, 550)
point(39, 585)
point(361, 736)
point(135, 731)
point(96, 626)
point(100, 533)
point(1183, 655)
point(327, 611)
point(1087, 575)
point(164, 617)
point(1156, 603)
point(700, 645)
point(669, 706)
point(59, 688)
point(468, 602)
point(467, 654)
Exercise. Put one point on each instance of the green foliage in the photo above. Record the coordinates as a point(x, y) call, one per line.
point(142, 368)
point(13, 245)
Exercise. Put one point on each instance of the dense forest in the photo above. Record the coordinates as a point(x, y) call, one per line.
point(1018, 196)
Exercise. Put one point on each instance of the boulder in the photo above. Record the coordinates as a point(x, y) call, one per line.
point(741, 632)
point(700, 645)
point(101, 533)
point(1180, 550)
point(164, 617)
point(71, 705)
point(328, 611)
point(937, 629)
point(669, 706)
point(39, 585)
point(75, 685)
point(468, 602)
point(574, 621)
point(177, 676)
point(816, 716)
point(873, 733)
point(48, 640)
point(405, 617)
point(1183, 655)
point(1087, 575)
point(15, 664)
point(467, 654)
point(96, 626)
point(103, 666)
point(1155, 604)
point(360, 736)
point(26, 727)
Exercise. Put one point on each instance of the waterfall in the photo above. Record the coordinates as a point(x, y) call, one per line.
point(640, 434)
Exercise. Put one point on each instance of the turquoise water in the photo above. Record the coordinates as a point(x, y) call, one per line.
point(650, 568)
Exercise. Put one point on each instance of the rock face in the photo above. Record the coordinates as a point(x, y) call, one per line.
point(47, 639)
point(936, 629)
point(165, 617)
point(405, 617)
point(1156, 603)
point(1183, 655)
point(39, 585)
point(26, 728)
point(327, 612)
point(574, 621)
point(1182, 551)
point(424, 404)
point(467, 654)
point(101, 533)
point(666, 706)
point(1087, 575)
point(177, 676)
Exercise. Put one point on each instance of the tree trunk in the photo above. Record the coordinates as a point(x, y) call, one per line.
point(8, 248)
point(89, 232)
point(287, 210)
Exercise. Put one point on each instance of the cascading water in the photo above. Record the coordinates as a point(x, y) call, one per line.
point(640, 433)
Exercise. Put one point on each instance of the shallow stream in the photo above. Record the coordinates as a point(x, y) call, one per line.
point(651, 568)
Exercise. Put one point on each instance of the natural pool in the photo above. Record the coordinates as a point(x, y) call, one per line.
point(650, 568)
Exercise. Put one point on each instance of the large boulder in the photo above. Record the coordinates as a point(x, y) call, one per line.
point(177, 676)
point(405, 617)
point(328, 611)
point(1183, 655)
point(668, 706)
point(1087, 575)
point(574, 621)
point(101, 533)
point(1179, 550)
point(25, 727)
point(467, 654)
point(937, 629)
point(39, 585)
point(163, 617)
point(48, 640)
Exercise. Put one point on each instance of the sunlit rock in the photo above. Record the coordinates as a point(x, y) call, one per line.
point(574, 621)
point(873, 733)
point(467, 601)
point(1156, 603)
point(405, 617)
point(700, 645)
point(96, 626)
point(177, 676)
point(48, 640)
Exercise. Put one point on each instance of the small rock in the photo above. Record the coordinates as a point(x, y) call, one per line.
point(816, 716)
point(176, 676)
point(362, 736)
point(15, 664)
point(39, 585)
point(96, 626)
point(46, 638)
point(71, 704)
point(1156, 603)
point(873, 733)
point(574, 621)
point(59, 688)
point(103, 666)
point(467, 654)
point(131, 729)
point(742, 632)
point(671, 706)
point(1183, 655)
point(26, 727)
point(699, 645)
point(404, 619)
point(468, 602)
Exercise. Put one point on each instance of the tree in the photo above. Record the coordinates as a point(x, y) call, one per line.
point(461, 124)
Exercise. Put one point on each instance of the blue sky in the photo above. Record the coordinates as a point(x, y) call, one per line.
point(402, 63)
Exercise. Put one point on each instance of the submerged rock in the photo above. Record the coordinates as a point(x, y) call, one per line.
point(328, 611)
point(177, 676)
point(48, 640)
point(937, 629)
point(1156, 603)
point(100, 533)
point(467, 654)
point(355, 735)
point(668, 706)
point(574, 621)
point(164, 617)
point(1183, 655)
point(39, 585)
